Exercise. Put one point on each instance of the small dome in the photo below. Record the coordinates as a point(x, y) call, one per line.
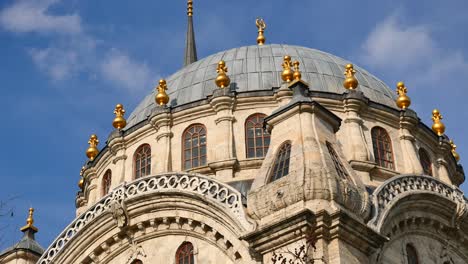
point(254, 68)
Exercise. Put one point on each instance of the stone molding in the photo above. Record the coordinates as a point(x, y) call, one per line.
point(212, 190)
point(391, 191)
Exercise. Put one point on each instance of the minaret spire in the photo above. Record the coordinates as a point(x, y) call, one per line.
point(190, 47)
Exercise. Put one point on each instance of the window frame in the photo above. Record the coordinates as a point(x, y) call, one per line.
point(106, 182)
point(426, 162)
point(200, 146)
point(382, 135)
point(249, 123)
point(191, 255)
point(147, 166)
point(285, 146)
point(414, 252)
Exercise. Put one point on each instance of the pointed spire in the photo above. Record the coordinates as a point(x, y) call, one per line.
point(190, 47)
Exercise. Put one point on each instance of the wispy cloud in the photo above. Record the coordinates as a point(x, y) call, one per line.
point(71, 49)
point(26, 16)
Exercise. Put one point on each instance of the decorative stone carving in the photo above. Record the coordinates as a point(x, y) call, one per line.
point(222, 194)
point(136, 252)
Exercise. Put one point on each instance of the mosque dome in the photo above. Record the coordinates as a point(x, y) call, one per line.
point(258, 68)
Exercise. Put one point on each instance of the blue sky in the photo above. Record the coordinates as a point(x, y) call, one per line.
point(66, 63)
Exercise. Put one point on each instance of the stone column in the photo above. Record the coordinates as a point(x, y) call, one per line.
point(117, 149)
point(223, 158)
point(161, 121)
point(442, 164)
point(408, 122)
point(91, 178)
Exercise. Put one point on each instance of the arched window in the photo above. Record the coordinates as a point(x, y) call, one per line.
point(257, 140)
point(142, 161)
point(184, 254)
point(411, 255)
point(281, 167)
point(137, 261)
point(340, 169)
point(194, 147)
point(383, 152)
point(425, 161)
point(106, 182)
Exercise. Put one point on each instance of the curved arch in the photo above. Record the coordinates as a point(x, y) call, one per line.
point(390, 193)
point(106, 182)
point(425, 160)
point(194, 152)
point(185, 254)
point(219, 195)
point(411, 254)
point(383, 150)
point(142, 161)
point(282, 159)
point(257, 140)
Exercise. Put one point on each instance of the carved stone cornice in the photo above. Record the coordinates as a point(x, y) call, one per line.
point(223, 164)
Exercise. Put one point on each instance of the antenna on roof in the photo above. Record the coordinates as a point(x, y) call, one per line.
point(190, 47)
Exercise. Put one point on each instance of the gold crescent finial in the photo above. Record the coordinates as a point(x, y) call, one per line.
point(350, 81)
point(119, 120)
point(92, 151)
point(29, 221)
point(438, 127)
point(222, 80)
point(261, 25)
point(162, 98)
point(403, 101)
point(189, 8)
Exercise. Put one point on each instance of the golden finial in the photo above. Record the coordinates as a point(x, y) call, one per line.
point(350, 81)
point(189, 7)
point(287, 74)
point(119, 120)
point(403, 100)
point(92, 151)
point(162, 98)
point(81, 183)
point(297, 73)
point(438, 126)
point(29, 222)
point(454, 151)
point(222, 80)
point(261, 25)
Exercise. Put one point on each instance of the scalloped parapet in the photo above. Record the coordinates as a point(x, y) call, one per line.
point(390, 192)
point(219, 193)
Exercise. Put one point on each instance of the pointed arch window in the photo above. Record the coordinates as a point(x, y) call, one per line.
point(340, 169)
point(425, 162)
point(194, 146)
point(411, 255)
point(281, 166)
point(106, 182)
point(142, 161)
point(383, 152)
point(137, 261)
point(184, 254)
point(257, 139)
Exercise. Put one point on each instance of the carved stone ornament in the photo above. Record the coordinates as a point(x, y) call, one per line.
point(135, 252)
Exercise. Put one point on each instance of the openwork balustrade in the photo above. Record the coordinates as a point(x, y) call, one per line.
point(219, 193)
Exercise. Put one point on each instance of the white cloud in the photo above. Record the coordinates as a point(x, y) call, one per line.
point(393, 43)
point(56, 63)
point(121, 70)
point(26, 16)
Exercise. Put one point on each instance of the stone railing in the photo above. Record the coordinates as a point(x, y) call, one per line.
point(217, 192)
point(393, 189)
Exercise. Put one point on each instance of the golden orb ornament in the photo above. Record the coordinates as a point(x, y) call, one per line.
point(438, 127)
point(81, 183)
point(287, 75)
point(119, 120)
point(350, 82)
point(222, 80)
point(162, 98)
point(403, 101)
point(92, 151)
point(261, 25)
point(297, 73)
point(454, 151)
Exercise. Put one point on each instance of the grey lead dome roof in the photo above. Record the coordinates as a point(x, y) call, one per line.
point(254, 68)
